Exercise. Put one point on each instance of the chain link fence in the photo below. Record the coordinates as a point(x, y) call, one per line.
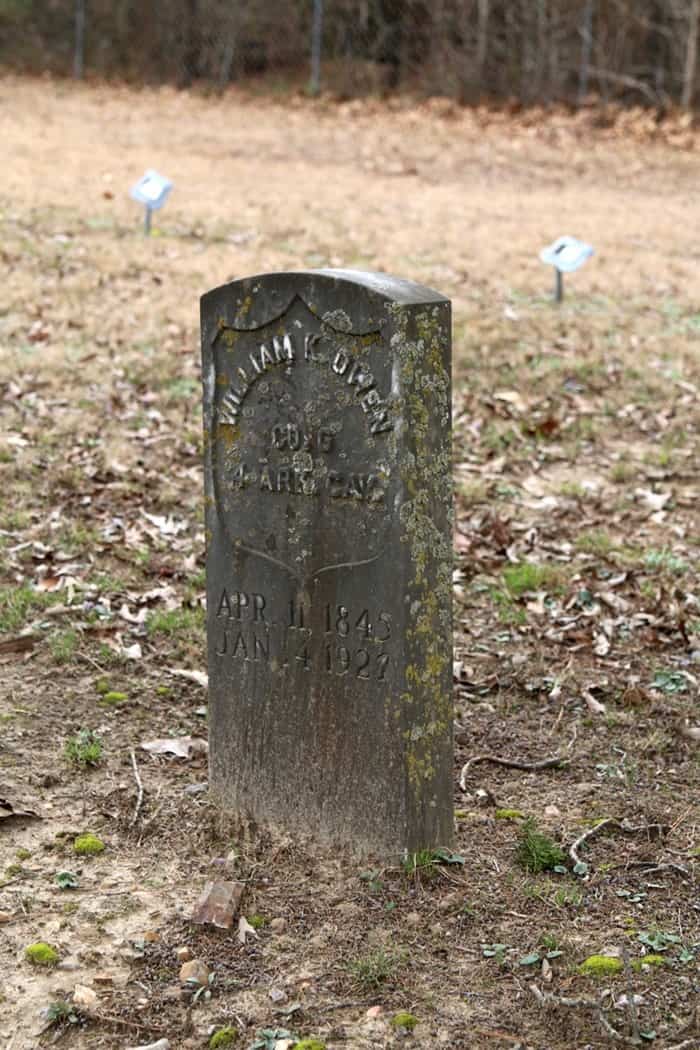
point(523, 51)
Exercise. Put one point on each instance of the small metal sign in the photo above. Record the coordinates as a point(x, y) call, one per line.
point(566, 254)
point(152, 190)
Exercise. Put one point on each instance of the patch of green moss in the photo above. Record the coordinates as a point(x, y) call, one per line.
point(600, 966)
point(22, 854)
point(113, 698)
point(257, 921)
point(224, 1037)
point(509, 814)
point(310, 1044)
point(88, 845)
point(403, 1019)
point(41, 954)
point(537, 852)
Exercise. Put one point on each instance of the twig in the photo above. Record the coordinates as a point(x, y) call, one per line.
point(545, 998)
point(610, 822)
point(631, 1004)
point(139, 1025)
point(509, 763)
point(139, 799)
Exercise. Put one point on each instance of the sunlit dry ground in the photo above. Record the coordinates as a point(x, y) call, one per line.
point(577, 484)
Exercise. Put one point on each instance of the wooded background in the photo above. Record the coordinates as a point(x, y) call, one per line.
point(520, 51)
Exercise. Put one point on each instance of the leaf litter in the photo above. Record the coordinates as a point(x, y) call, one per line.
point(575, 578)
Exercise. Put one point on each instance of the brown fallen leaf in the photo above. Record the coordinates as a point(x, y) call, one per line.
point(218, 904)
point(19, 644)
point(179, 746)
point(8, 812)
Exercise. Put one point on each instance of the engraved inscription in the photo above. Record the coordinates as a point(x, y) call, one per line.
point(281, 350)
point(351, 642)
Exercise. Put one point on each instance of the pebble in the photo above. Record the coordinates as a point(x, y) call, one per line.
point(69, 963)
point(196, 789)
point(373, 1012)
point(5, 916)
point(278, 925)
point(84, 997)
point(183, 954)
point(195, 970)
point(413, 918)
point(552, 811)
point(162, 1044)
point(277, 995)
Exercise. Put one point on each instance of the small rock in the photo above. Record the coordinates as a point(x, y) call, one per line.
point(277, 995)
point(278, 925)
point(195, 970)
point(183, 954)
point(413, 918)
point(69, 963)
point(196, 789)
point(373, 1013)
point(218, 904)
point(151, 936)
point(552, 811)
point(5, 916)
point(162, 1044)
point(84, 997)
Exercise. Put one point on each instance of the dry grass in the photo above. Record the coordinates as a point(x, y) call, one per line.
point(576, 465)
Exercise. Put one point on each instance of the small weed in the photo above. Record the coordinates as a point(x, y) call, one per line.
point(84, 749)
point(509, 614)
point(19, 604)
point(595, 542)
point(176, 621)
point(426, 862)
point(41, 954)
point(66, 880)
point(536, 851)
point(657, 940)
point(60, 1012)
point(370, 971)
point(495, 951)
point(665, 561)
point(527, 576)
point(670, 681)
point(257, 921)
point(623, 471)
point(22, 854)
point(64, 645)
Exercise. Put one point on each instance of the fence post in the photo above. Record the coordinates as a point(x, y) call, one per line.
point(79, 53)
point(316, 33)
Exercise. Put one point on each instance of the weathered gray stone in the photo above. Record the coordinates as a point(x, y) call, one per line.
point(328, 492)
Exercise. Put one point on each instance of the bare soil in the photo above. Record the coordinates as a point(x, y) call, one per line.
point(577, 543)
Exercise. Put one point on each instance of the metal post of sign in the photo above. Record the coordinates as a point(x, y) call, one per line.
point(316, 34)
point(147, 221)
point(152, 190)
point(559, 287)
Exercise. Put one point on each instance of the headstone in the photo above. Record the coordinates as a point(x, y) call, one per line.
point(329, 562)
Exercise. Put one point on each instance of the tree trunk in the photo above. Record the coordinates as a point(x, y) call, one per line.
point(586, 45)
point(691, 55)
point(482, 40)
point(79, 53)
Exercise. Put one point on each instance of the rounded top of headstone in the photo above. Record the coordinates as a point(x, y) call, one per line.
point(259, 299)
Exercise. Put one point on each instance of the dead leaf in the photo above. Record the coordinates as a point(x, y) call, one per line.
point(245, 930)
point(593, 705)
point(180, 747)
point(8, 812)
point(653, 500)
point(511, 397)
point(200, 677)
point(218, 904)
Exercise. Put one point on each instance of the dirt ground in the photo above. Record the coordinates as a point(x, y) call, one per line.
point(577, 541)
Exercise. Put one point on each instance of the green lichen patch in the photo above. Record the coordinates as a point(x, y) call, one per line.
point(600, 966)
point(41, 954)
point(113, 698)
point(649, 960)
point(509, 814)
point(310, 1044)
point(88, 845)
